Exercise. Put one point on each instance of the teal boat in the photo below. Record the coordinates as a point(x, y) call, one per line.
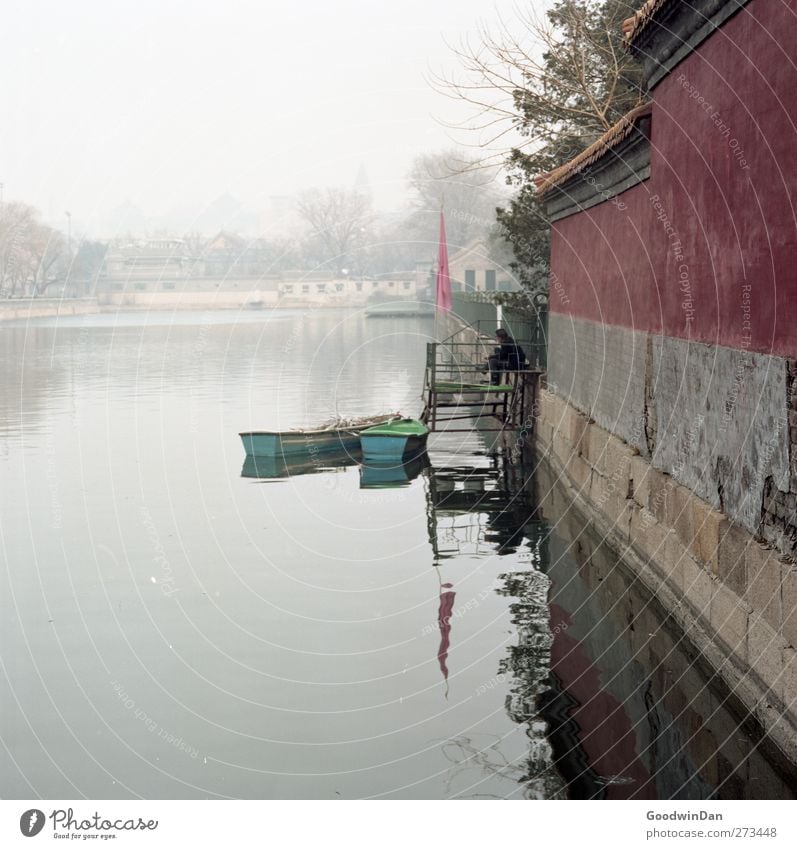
point(337, 436)
point(394, 440)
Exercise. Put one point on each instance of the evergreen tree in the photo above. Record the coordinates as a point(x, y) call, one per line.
point(560, 101)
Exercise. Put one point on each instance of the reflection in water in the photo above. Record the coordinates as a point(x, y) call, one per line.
point(266, 468)
point(375, 475)
point(447, 596)
point(479, 754)
point(483, 511)
point(295, 636)
point(372, 475)
point(612, 704)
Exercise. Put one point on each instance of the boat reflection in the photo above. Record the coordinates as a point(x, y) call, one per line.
point(308, 463)
point(375, 475)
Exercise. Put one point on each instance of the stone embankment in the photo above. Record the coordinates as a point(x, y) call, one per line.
point(733, 595)
point(15, 309)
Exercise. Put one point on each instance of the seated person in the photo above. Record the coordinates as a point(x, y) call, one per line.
point(509, 356)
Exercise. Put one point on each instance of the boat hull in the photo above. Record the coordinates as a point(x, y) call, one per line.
point(274, 444)
point(391, 448)
point(394, 441)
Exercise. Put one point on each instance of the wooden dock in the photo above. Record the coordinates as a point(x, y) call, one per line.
point(457, 390)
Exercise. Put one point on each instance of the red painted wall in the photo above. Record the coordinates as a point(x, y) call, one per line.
point(724, 179)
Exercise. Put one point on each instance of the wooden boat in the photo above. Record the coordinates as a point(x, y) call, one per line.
point(338, 435)
point(394, 441)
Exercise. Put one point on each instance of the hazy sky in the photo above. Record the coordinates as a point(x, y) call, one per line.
point(170, 104)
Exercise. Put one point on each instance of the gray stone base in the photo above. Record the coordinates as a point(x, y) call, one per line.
point(734, 597)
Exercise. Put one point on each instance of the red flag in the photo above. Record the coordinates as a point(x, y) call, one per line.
point(443, 291)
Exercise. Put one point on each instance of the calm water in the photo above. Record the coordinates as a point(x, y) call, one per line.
point(175, 627)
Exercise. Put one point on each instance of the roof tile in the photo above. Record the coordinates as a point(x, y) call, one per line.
point(610, 139)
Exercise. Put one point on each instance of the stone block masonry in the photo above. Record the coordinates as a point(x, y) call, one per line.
point(602, 374)
point(715, 419)
point(733, 594)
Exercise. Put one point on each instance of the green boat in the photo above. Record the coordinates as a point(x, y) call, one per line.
point(394, 440)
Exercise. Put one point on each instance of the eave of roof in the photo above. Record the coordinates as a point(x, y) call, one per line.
point(609, 140)
point(634, 26)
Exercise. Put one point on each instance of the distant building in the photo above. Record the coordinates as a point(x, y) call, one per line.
point(472, 270)
point(151, 258)
point(228, 271)
point(322, 289)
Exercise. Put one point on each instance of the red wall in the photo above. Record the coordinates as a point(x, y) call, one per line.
point(729, 192)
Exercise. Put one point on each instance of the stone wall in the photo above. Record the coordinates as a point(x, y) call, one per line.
point(15, 309)
point(650, 669)
point(721, 421)
point(600, 370)
point(187, 300)
point(733, 595)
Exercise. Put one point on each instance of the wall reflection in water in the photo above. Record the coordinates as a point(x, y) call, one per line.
point(612, 700)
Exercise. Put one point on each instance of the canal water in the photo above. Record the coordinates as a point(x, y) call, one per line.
point(177, 623)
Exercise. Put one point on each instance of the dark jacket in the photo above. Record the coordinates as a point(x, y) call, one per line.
point(511, 353)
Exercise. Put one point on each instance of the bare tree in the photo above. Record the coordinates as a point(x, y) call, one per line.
point(561, 75)
point(542, 88)
point(339, 219)
point(48, 260)
point(33, 256)
point(458, 184)
point(16, 221)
